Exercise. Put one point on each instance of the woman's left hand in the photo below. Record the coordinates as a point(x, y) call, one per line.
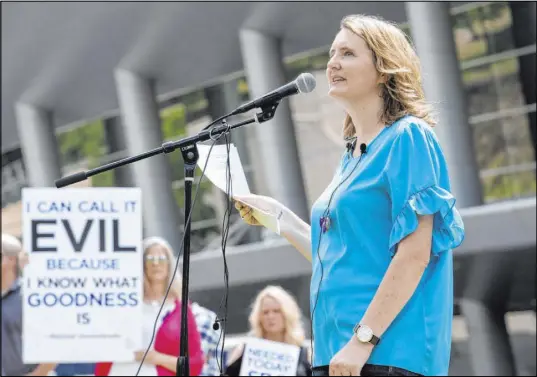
point(350, 360)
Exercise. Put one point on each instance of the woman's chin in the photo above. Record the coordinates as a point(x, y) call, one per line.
point(157, 279)
point(336, 92)
point(274, 330)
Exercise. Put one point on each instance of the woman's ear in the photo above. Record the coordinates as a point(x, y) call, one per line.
point(382, 79)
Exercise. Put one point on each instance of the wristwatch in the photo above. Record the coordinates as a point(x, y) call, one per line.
point(364, 334)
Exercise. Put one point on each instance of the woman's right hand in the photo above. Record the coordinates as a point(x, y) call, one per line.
point(246, 213)
point(292, 228)
point(264, 203)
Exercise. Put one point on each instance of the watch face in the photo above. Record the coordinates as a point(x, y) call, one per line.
point(365, 334)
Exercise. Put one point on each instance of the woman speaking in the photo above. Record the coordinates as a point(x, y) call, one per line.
point(382, 232)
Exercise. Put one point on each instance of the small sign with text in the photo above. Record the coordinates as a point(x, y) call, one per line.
point(266, 358)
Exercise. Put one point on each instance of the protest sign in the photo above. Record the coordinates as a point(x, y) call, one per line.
point(266, 358)
point(83, 287)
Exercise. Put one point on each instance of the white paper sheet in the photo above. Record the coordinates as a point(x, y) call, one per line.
point(217, 174)
point(216, 168)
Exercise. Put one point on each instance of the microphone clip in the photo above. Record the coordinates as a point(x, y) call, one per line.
point(267, 112)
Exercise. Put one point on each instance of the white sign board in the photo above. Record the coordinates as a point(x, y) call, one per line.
point(266, 358)
point(83, 287)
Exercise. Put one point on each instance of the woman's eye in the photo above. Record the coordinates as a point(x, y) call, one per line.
point(348, 53)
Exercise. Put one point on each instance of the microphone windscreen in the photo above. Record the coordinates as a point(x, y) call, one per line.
point(305, 82)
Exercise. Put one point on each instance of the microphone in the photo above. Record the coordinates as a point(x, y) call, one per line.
point(351, 145)
point(304, 83)
point(216, 324)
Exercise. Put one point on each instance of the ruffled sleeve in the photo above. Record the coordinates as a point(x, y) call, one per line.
point(418, 184)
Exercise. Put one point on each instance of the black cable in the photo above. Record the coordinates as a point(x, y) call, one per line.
point(226, 270)
point(225, 233)
point(179, 254)
point(326, 211)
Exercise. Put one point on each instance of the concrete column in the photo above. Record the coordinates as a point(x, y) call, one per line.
point(489, 344)
point(223, 98)
point(432, 33)
point(276, 142)
point(220, 103)
point(113, 131)
point(142, 132)
point(39, 145)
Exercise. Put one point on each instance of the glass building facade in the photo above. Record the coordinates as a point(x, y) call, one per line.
point(497, 62)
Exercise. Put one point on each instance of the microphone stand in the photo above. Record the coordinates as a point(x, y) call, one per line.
point(190, 154)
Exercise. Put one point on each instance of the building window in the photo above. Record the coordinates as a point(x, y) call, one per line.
point(493, 87)
point(84, 148)
point(483, 30)
point(499, 112)
point(505, 158)
point(13, 176)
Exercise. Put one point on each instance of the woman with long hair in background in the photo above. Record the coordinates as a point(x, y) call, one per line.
point(275, 316)
point(161, 359)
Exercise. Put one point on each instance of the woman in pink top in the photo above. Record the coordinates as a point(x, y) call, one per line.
point(159, 264)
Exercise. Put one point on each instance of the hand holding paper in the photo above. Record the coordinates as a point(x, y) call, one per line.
point(266, 211)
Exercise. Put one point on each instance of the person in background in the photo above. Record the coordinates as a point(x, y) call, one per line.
point(210, 339)
point(12, 364)
point(24, 259)
point(161, 360)
point(275, 316)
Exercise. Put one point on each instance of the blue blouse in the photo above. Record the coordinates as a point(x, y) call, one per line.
point(373, 203)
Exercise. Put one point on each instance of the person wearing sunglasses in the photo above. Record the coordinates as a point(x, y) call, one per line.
point(161, 360)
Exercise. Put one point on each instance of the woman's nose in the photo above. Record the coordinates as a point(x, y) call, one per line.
point(333, 63)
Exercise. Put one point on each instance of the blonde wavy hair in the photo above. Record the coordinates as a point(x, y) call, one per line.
point(398, 64)
point(294, 330)
point(176, 286)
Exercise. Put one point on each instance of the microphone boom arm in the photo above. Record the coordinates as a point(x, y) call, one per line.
point(266, 114)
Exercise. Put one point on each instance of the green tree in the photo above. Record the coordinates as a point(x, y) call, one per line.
point(86, 143)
